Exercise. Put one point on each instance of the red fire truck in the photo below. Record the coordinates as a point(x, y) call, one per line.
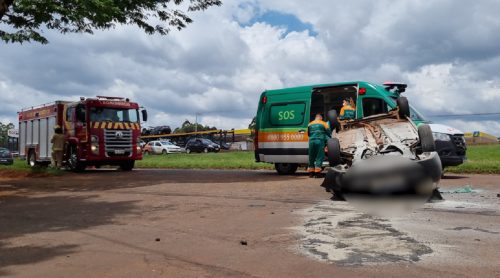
point(98, 131)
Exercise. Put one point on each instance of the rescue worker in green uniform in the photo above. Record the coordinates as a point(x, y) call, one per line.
point(319, 133)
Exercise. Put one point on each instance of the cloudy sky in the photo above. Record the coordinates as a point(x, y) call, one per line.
point(447, 51)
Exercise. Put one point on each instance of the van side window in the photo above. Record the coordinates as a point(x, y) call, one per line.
point(283, 114)
point(374, 106)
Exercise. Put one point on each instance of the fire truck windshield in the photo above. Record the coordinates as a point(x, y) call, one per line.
point(101, 114)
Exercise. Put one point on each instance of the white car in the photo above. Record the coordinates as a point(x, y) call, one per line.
point(161, 147)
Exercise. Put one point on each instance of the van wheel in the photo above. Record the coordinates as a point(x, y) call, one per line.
point(334, 152)
point(286, 168)
point(404, 107)
point(333, 118)
point(426, 139)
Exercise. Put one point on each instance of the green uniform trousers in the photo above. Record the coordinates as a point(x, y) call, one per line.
point(316, 154)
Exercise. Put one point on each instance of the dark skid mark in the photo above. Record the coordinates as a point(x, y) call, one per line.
point(474, 229)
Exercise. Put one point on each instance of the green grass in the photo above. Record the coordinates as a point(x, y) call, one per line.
point(484, 159)
point(223, 160)
point(481, 159)
point(21, 167)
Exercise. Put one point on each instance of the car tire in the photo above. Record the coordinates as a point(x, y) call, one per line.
point(426, 139)
point(333, 118)
point(286, 168)
point(205, 150)
point(334, 154)
point(404, 107)
point(164, 152)
point(188, 151)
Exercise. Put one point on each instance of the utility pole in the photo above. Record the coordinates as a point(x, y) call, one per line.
point(196, 123)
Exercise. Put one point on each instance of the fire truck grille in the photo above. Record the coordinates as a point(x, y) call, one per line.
point(118, 142)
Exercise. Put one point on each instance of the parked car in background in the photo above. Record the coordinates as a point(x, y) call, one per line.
point(161, 147)
point(225, 146)
point(201, 145)
point(6, 157)
point(158, 130)
point(164, 129)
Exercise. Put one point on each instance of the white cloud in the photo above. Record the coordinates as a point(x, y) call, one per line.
point(448, 54)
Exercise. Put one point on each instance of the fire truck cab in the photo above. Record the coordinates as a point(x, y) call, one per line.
point(98, 131)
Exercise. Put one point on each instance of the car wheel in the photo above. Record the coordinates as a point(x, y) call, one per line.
point(205, 150)
point(426, 139)
point(334, 152)
point(164, 152)
point(404, 107)
point(188, 151)
point(286, 168)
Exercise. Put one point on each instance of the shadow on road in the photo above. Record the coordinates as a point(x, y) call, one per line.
point(25, 215)
point(109, 179)
point(453, 177)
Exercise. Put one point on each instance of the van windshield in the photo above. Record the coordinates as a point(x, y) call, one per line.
point(415, 115)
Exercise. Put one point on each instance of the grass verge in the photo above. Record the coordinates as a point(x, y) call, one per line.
point(482, 159)
point(223, 160)
point(21, 169)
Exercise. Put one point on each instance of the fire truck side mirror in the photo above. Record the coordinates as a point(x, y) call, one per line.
point(144, 115)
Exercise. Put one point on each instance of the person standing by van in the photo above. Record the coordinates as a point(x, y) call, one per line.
point(347, 112)
point(318, 132)
point(57, 147)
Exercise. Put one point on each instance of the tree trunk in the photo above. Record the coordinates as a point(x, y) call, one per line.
point(4, 6)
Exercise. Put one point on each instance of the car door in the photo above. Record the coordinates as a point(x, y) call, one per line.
point(157, 147)
point(198, 145)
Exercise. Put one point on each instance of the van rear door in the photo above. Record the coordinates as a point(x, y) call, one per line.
point(283, 123)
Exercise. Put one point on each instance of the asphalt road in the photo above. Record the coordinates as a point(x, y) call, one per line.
point(193, 223)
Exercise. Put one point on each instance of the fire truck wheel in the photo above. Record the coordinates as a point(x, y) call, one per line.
point(32, 159)
point(73, 161)
point(127, 166)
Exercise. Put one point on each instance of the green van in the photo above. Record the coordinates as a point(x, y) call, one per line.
point(283, 116)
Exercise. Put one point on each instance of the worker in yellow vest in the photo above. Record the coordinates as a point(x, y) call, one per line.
point(348, 111)
point(319, 133)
